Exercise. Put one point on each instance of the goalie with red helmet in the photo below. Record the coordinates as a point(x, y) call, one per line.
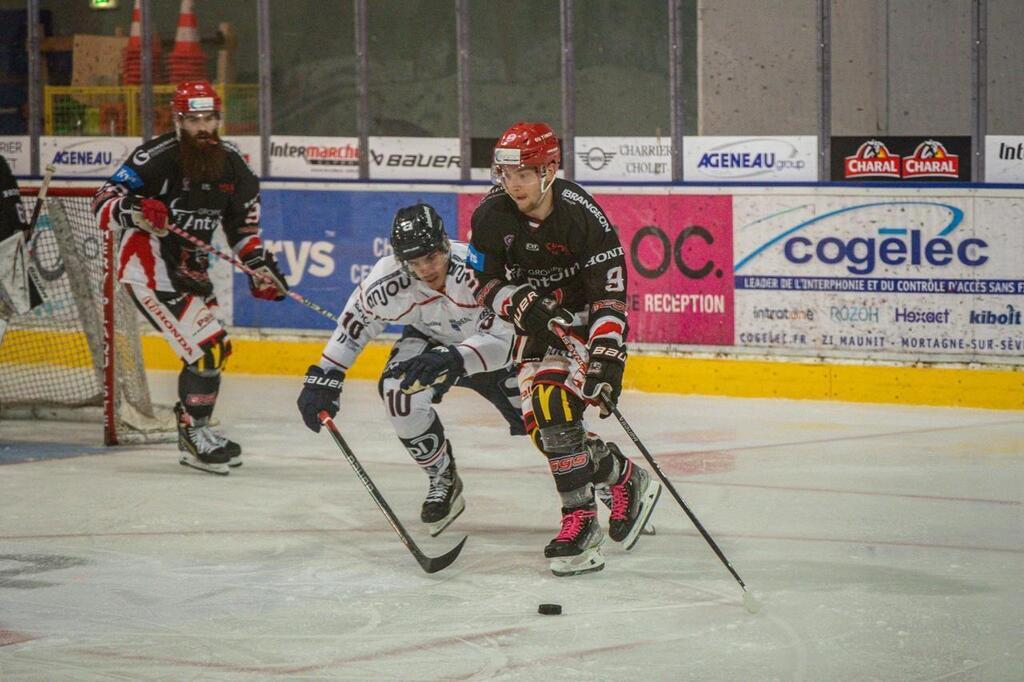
point(546, 254)
point(193, 179)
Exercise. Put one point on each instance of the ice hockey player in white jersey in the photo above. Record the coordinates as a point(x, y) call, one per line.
point(448, 340)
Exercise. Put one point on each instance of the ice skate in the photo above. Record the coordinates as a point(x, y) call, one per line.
point(605, 495)
point(634, 496)
point(577, 547)
point(444, 502)
point(199, 447)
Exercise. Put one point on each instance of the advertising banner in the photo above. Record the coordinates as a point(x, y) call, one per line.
point(1004, 158)
point(326, 242)
point(912, 158)
point(15, 148)
point(85, 156)
point(883, 275)
point(679, 251)
point(249, 146)
point(750, 159)
point(629, 159)
point(414, 158)
point(295, 156)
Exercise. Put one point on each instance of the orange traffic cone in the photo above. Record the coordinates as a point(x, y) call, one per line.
point(131, 56)
point(186, 61)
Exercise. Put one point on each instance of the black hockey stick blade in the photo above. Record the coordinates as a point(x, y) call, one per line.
point(442, 562)
point(428, 564)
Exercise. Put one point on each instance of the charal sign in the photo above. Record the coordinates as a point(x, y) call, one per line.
point(901, 158)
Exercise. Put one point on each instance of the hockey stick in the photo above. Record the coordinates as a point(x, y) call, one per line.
point(48, 274)
point(249, 271)
point(749, 602)
point(428, 564)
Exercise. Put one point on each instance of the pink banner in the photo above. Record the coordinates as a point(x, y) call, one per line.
point(679, 260)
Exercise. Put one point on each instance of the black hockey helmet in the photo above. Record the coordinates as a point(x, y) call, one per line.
point(417, 231)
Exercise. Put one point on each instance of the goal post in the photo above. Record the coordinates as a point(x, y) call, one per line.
point(77, 354)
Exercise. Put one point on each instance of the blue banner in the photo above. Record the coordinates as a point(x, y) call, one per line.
point(326, 242)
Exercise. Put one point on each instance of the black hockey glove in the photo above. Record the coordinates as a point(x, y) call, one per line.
point(270, 284)
point(533, 314)
point(320, 391)
point(440, 365)
point(603, 383)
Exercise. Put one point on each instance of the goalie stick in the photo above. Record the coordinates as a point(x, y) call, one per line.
point(295, 296)
point(749, 602)
point(428, 564)
point(49, 274)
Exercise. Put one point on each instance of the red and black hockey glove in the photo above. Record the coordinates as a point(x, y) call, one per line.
point(269, 283)
point(146, 214)
point(603, 382)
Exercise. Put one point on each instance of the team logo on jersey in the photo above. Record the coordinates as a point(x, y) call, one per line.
point(127, 176)
point(509, 238)
point(474, 258)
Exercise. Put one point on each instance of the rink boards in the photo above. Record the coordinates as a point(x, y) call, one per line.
point(891, 294)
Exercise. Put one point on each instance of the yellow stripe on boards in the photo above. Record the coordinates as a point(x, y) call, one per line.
point(956, 387)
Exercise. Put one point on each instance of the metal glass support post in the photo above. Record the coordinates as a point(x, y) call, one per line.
point(35, 87)
point(146, 95)
point(979, 86)
point(677, 98)
point(265, 84)
point(363, 87)
point(462, 55)
point(568, 90)
point(824, 90)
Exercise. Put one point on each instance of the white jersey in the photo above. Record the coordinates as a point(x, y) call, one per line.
point(450, 317)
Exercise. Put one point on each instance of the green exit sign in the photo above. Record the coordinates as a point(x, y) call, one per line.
point(103, 4)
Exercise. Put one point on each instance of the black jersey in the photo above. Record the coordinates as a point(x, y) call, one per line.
point(574, 255)
point(12, 212)
point(153, 170)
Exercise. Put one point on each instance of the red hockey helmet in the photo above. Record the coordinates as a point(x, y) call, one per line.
point(527, 144)
point(195, 97)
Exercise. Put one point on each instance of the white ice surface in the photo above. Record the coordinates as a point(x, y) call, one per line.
point(885, 543)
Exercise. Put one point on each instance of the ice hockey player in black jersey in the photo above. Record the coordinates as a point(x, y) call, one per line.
point(546, 254)
point(448, 339)
point(197, 182)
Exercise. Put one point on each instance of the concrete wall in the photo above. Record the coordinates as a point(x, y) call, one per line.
point(898, 66)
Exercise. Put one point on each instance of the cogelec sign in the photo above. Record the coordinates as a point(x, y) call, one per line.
point(750, 159)
point(898, 236)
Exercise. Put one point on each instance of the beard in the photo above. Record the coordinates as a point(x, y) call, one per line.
point(202, 157)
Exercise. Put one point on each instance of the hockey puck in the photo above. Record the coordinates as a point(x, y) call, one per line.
point(550, 609)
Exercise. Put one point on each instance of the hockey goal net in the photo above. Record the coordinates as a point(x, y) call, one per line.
point(76, 355)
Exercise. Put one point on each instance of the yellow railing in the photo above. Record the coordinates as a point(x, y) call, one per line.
point(114, 110)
